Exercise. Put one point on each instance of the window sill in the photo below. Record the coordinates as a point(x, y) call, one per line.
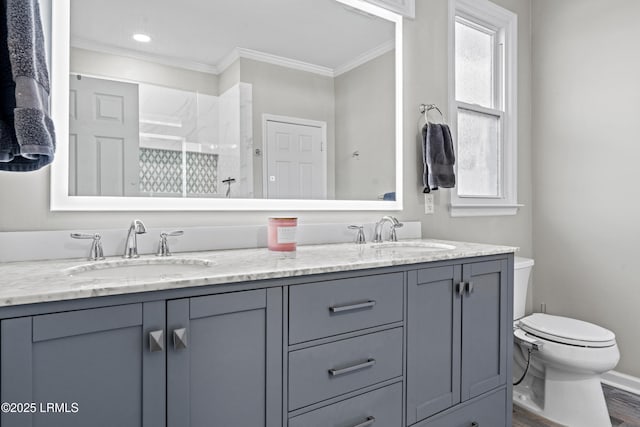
point(483, 210)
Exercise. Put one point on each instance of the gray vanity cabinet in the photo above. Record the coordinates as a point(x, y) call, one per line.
point(423, 345)
point(485, 327)
point(98, 359)
point(457, 335)
point(224, 360)
point(202, 361)
point(433, 341)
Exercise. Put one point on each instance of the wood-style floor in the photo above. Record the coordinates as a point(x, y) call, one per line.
point(624, 409)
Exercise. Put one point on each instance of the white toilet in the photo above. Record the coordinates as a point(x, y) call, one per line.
point(563, 379)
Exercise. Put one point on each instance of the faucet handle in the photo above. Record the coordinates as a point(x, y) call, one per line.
point(163, 245)
point(84, 236)
point(393, 236)
point(360, 238)
point(95, 252)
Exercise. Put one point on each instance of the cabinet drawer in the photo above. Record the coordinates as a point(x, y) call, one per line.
point(328, 370)
point(378, 408)
point(334, 307)
point(487, 412)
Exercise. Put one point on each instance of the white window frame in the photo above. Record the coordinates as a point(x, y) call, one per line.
point(489, 15)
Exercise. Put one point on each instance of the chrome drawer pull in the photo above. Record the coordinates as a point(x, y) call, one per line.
point(367, 423)
point(351, 307)
point(335, 372)
point(475, 424)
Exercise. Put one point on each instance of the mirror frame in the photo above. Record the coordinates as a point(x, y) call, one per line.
point(61, 201)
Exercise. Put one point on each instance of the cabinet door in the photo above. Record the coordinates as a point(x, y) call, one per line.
point(224, 362)
point(433, 341)
point(98, 359)
point(484, 327)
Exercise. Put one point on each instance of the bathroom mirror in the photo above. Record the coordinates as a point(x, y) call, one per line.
point(226, 105)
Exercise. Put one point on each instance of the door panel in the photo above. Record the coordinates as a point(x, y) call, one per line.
point(433, 341)
point(295, 161)
point(104, 133)
point(484, 317)
point(230, 372)
point(96, 358)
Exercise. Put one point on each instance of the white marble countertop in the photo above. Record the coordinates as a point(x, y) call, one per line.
point(42, 281)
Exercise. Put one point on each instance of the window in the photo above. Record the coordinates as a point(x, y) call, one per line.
point(484, 108)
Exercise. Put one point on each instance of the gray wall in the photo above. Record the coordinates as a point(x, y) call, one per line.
point(587, 218)
point(25, 196)
point(229, 77)
point(288, 92)
point(365, 117)
point(426, 75)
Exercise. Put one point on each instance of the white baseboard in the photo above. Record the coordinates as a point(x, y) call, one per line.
point(622, 381)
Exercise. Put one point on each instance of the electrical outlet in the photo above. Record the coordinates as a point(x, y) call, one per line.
point(428, 204)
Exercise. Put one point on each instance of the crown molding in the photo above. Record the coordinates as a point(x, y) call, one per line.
point(233, 56)
point(387, 46)
point(268, 58)
point(228, 60)
point(142, 56)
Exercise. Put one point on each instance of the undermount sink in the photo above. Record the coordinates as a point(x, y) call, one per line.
point(141, 268)
point(413, 246)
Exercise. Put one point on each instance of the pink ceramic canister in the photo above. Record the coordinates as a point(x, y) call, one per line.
point(281, 234)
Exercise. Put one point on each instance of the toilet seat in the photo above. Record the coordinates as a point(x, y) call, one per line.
point(569, 331)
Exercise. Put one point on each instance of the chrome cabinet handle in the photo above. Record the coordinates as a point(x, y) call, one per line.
point(156, 341)
point(475, 424)
point(368, 422)
point(469, 288)
point(336, 372)
point(351, 307)
point(180, 339)
point(461, 287)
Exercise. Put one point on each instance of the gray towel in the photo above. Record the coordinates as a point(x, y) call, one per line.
point(438, 157)
point(27, 138)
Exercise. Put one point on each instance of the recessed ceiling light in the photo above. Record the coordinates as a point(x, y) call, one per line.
point(142, 38)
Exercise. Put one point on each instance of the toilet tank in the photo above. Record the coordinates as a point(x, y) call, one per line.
point(521, 272)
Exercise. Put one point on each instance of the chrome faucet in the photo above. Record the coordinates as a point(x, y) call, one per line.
point(131, 244)
point(377, 235)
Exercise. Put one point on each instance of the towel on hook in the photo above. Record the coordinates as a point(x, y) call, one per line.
point(438, 157)
point(27, 138)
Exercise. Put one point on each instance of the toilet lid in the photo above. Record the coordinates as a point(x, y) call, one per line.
point(567, 331)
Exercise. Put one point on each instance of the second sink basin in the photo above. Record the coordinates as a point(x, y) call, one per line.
point(140, 269)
